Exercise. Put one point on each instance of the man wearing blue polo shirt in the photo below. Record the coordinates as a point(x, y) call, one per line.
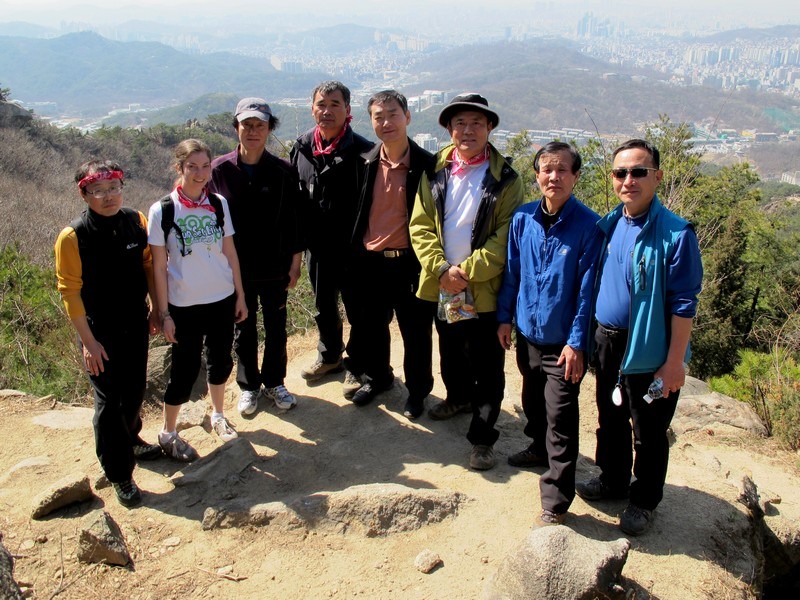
point(650, 274)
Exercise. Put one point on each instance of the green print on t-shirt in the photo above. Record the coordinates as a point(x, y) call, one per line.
point(199, 229)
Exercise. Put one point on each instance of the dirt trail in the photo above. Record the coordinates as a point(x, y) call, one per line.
point(327, 444)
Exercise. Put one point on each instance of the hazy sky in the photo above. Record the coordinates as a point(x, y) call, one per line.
point(690, 14)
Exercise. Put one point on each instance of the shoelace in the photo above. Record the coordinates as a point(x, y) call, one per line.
point(128, 488)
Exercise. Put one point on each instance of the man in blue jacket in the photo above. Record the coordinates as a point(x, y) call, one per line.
point(553, 245)
point(650, 274)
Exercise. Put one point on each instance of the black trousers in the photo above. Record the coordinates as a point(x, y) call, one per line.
point(383, 287)
point(327, 275)
point(551, 407)
point(648, 422)
point(198, 328)
point(118, 394)
point(271, 295)
point(472, 362)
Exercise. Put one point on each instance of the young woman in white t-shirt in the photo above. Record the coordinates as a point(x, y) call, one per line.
point(199, 290)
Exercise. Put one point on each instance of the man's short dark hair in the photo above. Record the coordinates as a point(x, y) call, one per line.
point(274, 123)
point(387, 96)
point(555, 148)
point(329, 87)
point(644, 145)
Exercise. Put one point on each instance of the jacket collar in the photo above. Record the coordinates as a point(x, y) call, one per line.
point(374, 153)
point(607, 222)
point(566, 210)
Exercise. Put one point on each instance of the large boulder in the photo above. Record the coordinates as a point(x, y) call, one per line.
point(700, 409)
point(13, 115)
point(553, 563)
point(371, 510)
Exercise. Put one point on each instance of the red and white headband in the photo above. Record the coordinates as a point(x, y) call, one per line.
point(100, 176)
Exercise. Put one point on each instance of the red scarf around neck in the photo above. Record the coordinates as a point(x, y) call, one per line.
point(189, 203)
point(460, 165)
point(318, 149)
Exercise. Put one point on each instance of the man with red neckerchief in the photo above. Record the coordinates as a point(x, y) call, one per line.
point(459, 230)
point(327, 159)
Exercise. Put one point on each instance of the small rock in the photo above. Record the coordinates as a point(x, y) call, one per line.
point(427, 561)
point(769, 497)
point(102, 482)
point(41, 539)
point(171, 542)
point(101, 541)
point(226, 570)
point(70, 489)
point(192, 414)
point(27, 545)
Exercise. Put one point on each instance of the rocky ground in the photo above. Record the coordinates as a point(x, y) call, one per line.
point(345, 542)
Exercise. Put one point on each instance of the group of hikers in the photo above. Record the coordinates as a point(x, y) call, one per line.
point(442, 240)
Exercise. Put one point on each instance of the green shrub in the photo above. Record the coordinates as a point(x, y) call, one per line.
point(770, 384)
point(38, 353)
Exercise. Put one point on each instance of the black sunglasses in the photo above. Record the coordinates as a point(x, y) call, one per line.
point(635, 172)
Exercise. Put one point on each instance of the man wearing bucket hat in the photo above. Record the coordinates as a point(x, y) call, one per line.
point(459, 229)
point(264, 199)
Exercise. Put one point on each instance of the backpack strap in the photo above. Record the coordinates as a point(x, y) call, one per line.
point(213, 200)
point(168, 223)
point(168, 220)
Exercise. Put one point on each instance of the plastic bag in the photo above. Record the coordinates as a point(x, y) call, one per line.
point(456, 307)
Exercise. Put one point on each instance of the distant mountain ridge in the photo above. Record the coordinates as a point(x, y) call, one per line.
point(86, 73)
point(538, 84)
point(755, 35)
point(548, 83)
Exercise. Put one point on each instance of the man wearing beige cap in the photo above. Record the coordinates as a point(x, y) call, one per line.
point(264, 200)
point(459, 230)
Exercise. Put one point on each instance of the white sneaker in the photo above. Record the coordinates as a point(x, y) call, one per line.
point(281, 397)
point(248, 402)
point(224, 429)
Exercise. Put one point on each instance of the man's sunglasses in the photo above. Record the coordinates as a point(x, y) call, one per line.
point(635, 172)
